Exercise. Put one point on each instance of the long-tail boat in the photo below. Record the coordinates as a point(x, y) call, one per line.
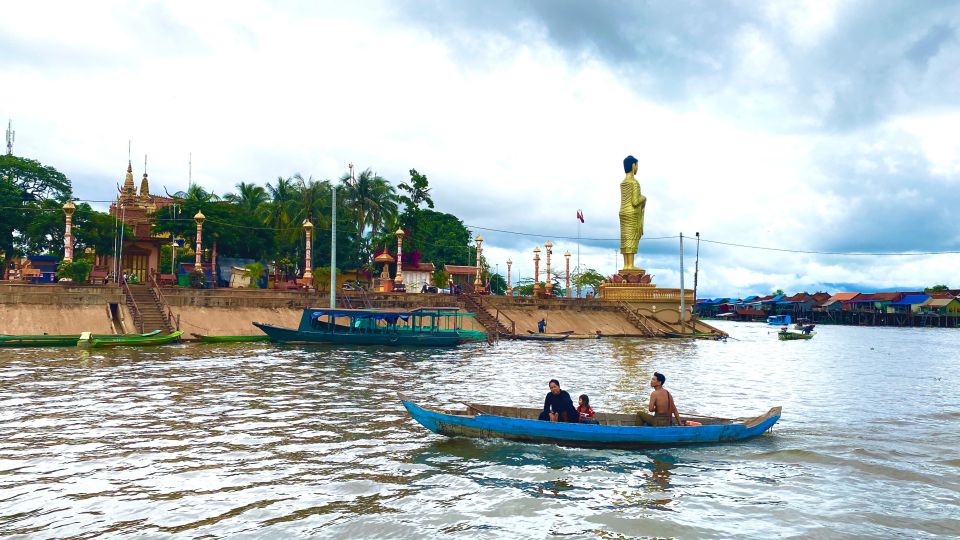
point(128, 341)
point(614, 430)
point(788, 336)
point(228, 339)
point(61, 340)
point(421, 327)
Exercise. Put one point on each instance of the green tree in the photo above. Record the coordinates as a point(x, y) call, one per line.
point(373, 202)
point(440, 278)
point(248, 198)
point(417, 192)
point(11, 220)
point(498, 285)
point(77, 271)
point(936, 288)
point(441, 238)
point(588, 278)
point(35, 181)
point(778, 292)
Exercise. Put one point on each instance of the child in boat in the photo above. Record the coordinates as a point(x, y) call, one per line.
point(584, 410)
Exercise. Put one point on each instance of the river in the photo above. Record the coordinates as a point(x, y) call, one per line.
point(259, 441)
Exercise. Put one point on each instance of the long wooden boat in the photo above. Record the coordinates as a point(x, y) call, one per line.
point(788, 336)
point(695, 335)
point(542, 337)
point(61, 340)
point(139, 341)
point(615, 430)
point(229, 339)
point(421, 327)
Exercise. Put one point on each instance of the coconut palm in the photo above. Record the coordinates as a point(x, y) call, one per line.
point(249, 197)
point(370, 198)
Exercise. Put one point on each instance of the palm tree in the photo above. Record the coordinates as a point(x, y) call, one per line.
point(249, 197)
point(371, 198)
point(277, 212)
point(312, 202)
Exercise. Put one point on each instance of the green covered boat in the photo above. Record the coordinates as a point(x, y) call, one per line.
point(229, 339)
point(135, 341)
point(60, 340)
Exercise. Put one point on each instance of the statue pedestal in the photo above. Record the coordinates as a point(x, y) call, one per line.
point(629, 284)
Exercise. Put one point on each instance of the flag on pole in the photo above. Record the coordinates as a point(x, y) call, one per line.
point(580, 216)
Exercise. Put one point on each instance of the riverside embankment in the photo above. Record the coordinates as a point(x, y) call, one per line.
point(66, 309)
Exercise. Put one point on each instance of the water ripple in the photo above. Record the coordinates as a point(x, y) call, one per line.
point(258, 441)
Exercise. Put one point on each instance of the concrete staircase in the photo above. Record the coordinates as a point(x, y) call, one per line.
point(644, 324)
point(150, 311)
point(495, 329)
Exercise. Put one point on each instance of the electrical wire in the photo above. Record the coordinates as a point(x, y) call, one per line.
point(539, 235)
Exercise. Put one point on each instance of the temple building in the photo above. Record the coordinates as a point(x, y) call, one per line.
point(141, 252)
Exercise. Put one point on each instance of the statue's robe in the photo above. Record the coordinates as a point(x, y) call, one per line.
point(632, 205)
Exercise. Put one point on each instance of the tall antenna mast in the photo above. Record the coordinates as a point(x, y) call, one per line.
point(190, 171)
point(128, 150)
point(10, 136)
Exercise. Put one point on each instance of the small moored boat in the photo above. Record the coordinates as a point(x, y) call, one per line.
point(229, 339)
point(86, 340)
point(63, 340)
point(615, 430)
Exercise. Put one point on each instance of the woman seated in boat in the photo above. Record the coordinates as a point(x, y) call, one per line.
point(586, 413)
point(558, 407)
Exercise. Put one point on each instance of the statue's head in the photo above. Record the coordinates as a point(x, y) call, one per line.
point(628, 163)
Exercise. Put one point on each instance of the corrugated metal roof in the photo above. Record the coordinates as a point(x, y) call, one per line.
point(911, 299)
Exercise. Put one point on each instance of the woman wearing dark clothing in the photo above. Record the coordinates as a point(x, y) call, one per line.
point(558, 407)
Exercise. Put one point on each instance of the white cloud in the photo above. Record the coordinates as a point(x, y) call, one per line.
point(513, 131)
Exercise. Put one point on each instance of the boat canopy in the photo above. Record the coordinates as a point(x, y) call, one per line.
point(389, 316)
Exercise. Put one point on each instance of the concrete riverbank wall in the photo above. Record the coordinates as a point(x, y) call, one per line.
point(67, 309)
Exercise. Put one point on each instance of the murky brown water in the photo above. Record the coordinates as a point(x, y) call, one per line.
point(258, 441)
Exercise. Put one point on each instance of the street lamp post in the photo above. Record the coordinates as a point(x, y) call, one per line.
point(68, 210)
point(536, 271)
point(199, 218)
point(509, 288)
point(567, 256)
point(549, 246)
point(173, 258)
point(308, 258)
point(477, 284)
point(399, 279)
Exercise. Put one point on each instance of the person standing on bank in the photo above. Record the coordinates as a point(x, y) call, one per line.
point(558, 406)
point(661, 404)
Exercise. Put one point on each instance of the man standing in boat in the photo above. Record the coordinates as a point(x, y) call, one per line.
point(661, 404)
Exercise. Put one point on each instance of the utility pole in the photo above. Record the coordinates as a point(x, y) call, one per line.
point(696, 270)
point(682, 301)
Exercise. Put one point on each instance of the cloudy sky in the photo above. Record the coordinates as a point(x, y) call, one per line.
point(821, 127)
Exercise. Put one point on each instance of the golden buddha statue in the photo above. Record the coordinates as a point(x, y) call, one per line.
point(632, 204)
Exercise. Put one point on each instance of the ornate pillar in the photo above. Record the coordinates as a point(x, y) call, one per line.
point(509, 289)
point(536, 270)
point(199, 218)
point(308, 258)
point(399, 279)
point(549, 284)
point(68, 210)
point(567, 256)
point(477, 283)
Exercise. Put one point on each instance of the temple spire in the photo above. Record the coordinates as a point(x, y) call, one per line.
point(144, 184)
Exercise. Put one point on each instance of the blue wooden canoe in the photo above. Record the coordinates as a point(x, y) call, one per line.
point(615, 430)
